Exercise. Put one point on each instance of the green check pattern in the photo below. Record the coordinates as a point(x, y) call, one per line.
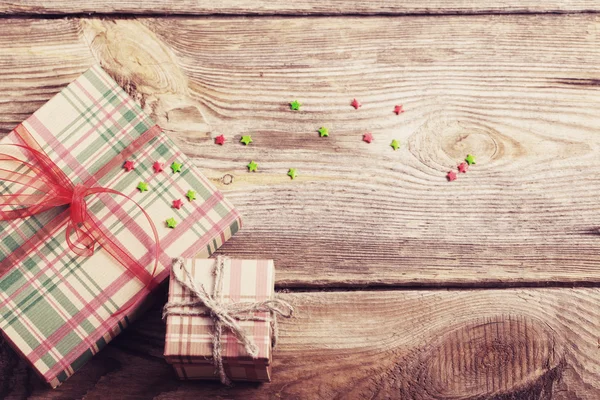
point(56, 308)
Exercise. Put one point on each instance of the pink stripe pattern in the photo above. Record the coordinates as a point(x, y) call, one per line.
point(188, 342)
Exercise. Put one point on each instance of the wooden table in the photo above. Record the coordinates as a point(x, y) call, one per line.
point(407, 286)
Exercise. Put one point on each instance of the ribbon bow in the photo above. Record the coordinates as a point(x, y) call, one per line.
point(49, 187)
point(225, 315)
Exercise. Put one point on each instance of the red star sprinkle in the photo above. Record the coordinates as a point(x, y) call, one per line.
point(463, 167)
point(355, 104)
point(177, 204)
point(158, 167)
point(368, 137)
point(128, 166)
point(398, 110)
point(451, 176)
point(220, 140)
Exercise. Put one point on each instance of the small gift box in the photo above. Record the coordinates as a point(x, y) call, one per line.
point(95, 201)
point(221, 319)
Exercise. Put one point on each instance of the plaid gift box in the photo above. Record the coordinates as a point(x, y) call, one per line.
point(58, 309)
point(189, 341)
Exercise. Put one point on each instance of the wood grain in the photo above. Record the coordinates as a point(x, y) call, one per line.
point(470, 344)
point(521, 92)
point(281, 7)
point(522, 98)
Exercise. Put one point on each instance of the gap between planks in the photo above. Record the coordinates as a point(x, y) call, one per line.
point(284, 15)
point(288, 8)
point(310, 287)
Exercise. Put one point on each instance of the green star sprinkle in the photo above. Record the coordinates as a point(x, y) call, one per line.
point(395, 144)
point(176, 167)
point(295, 105)
point(470, 159)
point(324, 132)
point(246, 140)
point(292, 173)
point(142, 187)
point(252, 166)
point(171, 223)
point(191, 195)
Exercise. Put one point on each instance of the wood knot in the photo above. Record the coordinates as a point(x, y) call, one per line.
point(139, 62)
point(500, 356)
point(442, 142)
point(497, 354)
point(227, 179)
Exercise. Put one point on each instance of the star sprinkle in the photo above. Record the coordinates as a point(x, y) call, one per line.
point(191, 195)
point(220, 140)
point(451, 176)
point(128, 166)
point(252, 166)
point(355, 104)
point(246, 140)
point(158, 167)
point(323, 132)
point(171, 223)
point(398, 110)
point(295, 105)
point(176, 167)
point(395, 144)
point(368, 137)
point(463, 167)
point(177, 204)
point(292, 173)
point(470, 159)
point(142, 187)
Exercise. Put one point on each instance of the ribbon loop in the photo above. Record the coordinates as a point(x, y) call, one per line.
point(78, 205)
point(46, 186)
point(84, 244)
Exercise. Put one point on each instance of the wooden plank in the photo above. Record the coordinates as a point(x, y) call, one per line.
point(480, 344)
point(508, 89)
point(307, 7)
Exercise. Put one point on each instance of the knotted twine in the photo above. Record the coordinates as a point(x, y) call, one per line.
point(225, 315)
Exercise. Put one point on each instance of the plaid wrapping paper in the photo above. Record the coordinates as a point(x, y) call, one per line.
point(56, 308)
point(189, 342)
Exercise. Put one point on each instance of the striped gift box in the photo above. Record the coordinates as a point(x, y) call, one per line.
point(58, 309)
point(189, 340)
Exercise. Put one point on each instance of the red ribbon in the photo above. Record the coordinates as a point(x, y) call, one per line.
point(53, 188)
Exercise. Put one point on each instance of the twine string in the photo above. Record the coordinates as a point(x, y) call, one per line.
point(224, 315)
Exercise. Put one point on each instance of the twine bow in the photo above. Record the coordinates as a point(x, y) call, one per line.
point(225, 315)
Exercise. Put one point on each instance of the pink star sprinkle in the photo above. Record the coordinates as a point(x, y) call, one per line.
point(398, 110)
point(158, 167)
point(220, 140)
point(177, 204)
point(463, 167)
point(128, 166)
point(355, 104)
point(451, 176)
point(368, 137)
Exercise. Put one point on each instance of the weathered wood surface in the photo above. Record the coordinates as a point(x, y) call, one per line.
point(470, 344)
point(519, 91)
point(522, 98)
point(286, 7)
